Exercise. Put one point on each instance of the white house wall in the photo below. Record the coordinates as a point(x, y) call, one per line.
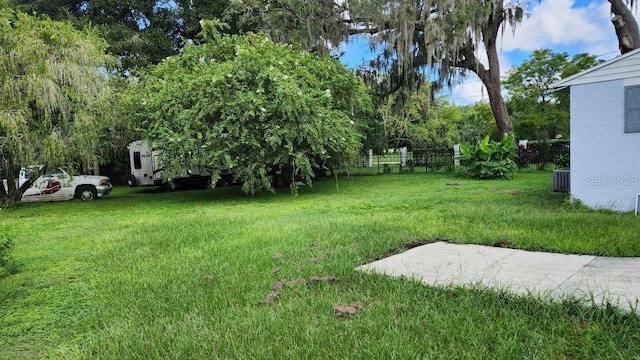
point(605, 161)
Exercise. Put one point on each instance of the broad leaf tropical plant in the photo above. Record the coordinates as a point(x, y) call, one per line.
point(490, 159)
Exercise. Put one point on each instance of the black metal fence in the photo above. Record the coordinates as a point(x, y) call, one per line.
point(393, 162)
point(541, 156)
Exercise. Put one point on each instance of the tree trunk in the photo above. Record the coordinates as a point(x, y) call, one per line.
point(491, 77)
point(12, 195)
point(626, 26)
point(491, 80)
point(3, 193)
point(498, 107)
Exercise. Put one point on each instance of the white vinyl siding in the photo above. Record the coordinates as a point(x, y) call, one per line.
point(605, 161)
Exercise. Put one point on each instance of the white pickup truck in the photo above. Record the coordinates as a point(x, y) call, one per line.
point(60, 185)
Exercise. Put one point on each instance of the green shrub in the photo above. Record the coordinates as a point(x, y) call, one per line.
point(563, 160)
point(7, 265)
point(490, 159)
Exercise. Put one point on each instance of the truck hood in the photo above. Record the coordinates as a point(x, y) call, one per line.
point(91, 177)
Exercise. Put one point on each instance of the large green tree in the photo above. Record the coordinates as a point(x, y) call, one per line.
point(475, 123)
point(421, 122)
point(447, 37)
point(537, 110)
point(269, 112)
point(53, 95)
point(140, 32)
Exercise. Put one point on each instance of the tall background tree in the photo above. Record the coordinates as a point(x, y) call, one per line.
point(140, 32)
point(53, 98)
point(448, 38)
point(539, 112)
point(445, 37)
point(422, 122)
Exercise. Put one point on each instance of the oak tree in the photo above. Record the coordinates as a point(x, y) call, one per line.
point(447, 37)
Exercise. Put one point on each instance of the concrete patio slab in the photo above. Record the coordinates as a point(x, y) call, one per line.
point(590, 278)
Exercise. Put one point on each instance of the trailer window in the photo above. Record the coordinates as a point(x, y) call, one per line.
point(137, 162)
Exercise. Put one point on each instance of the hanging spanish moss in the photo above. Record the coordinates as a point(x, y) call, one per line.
point(441, 40)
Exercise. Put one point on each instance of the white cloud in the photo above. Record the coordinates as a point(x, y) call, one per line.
point(469, 91)
point(571, 26)
point(559, 25)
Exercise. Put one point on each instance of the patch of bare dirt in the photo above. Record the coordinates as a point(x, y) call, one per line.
point(329, 278)
point(455, 183)
point(346, 310)
point(513, 192)
point(505, 243)
point(280, 285)
point(277, 289)
point(317, 259)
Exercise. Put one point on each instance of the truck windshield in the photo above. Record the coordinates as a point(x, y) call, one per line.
point(63, 170)
point(28, 172)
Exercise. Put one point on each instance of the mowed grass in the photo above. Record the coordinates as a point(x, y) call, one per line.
point(216, 274)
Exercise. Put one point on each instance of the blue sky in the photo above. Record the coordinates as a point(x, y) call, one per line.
point(572, 26)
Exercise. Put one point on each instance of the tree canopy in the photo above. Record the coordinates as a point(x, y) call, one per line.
point(446, 37)
point(53, 95)
point(139, 32)
point(538, 111)
point(421, 122)
point(269, 112)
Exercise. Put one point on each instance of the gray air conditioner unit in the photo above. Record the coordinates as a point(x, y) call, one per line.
point(561, 179)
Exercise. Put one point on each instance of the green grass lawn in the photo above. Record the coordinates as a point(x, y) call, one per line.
point(216, 274)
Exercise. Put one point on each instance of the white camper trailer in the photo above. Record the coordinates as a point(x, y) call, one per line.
point(146, 169)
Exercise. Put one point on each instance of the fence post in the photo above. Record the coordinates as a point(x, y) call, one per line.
point(403, 156)
point(456, 155)
point(370, 160)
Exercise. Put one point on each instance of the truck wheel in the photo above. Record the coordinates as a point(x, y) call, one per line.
point(86, 193)
point(131, 181)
